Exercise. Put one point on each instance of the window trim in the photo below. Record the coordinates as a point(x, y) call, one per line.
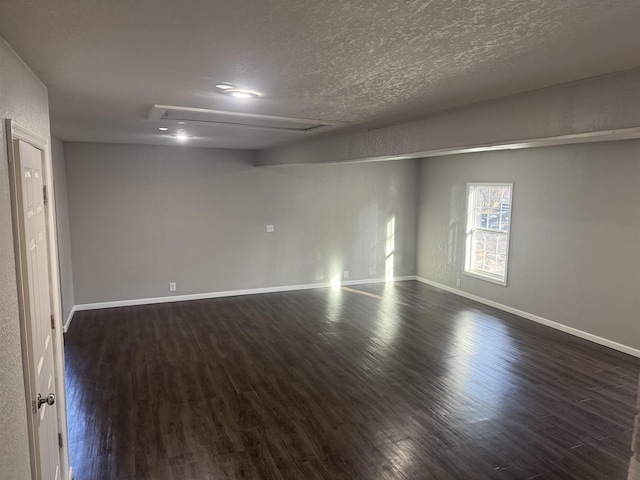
point(468, 232)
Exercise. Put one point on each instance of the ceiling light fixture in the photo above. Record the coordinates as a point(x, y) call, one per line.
point(224, 86)
point(163, 129)
point(181, 137)
point(238, 93)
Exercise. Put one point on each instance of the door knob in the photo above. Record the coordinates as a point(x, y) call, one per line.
point(49, 399)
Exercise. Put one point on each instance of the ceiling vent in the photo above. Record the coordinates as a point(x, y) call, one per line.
point(236, 119)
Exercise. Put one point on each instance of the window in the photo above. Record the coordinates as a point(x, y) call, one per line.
point(488, 222)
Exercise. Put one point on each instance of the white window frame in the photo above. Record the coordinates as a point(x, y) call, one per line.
point(470, 229)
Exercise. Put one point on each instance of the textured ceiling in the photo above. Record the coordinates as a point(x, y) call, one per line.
point(361, 62)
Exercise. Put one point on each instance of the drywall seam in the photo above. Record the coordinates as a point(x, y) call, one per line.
point(530, 316)
point(24, 64)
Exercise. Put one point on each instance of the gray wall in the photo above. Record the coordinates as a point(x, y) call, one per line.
point(24, 99)
point(574, 255)
point(62, 226)
point(144, 216)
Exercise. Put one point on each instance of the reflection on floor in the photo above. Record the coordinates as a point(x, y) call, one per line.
point(408, 382)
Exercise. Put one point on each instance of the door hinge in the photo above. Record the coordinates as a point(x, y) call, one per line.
point(44, 194)
point(53, 322)
point(60, 440)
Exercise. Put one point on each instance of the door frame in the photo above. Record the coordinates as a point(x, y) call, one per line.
point(14, 132)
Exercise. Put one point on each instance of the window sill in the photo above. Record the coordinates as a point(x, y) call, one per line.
point(486, 277)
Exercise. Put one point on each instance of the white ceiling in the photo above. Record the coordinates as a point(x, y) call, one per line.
point(361, 62)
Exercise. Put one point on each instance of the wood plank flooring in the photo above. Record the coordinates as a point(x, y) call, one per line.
point(399, 381)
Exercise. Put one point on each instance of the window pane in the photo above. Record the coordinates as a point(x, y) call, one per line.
point(502, 245)
point(489, 251)
point(501, 263)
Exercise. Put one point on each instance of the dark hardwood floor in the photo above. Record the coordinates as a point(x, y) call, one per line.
point(397, 381)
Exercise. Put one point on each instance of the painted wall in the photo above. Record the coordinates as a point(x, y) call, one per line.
point(574, 255)
point(608, 102)
point(24, 99)
point(144, 216)
point(62, 224)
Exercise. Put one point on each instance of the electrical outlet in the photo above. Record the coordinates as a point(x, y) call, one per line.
point(172, 287)
point(345, 274)
point(269, 228)
point(457, 282)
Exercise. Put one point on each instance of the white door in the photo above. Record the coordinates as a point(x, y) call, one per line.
point(38, 304)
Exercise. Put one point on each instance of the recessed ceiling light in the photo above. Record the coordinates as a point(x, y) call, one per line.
point(224, 86)
point(180, 123)
point(163, 129)
point(181, 137)
point(238, 93)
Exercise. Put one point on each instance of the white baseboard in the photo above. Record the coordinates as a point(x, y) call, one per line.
point(229, 293)
point(290, 288)
point(544, 321)
point(67, 322)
